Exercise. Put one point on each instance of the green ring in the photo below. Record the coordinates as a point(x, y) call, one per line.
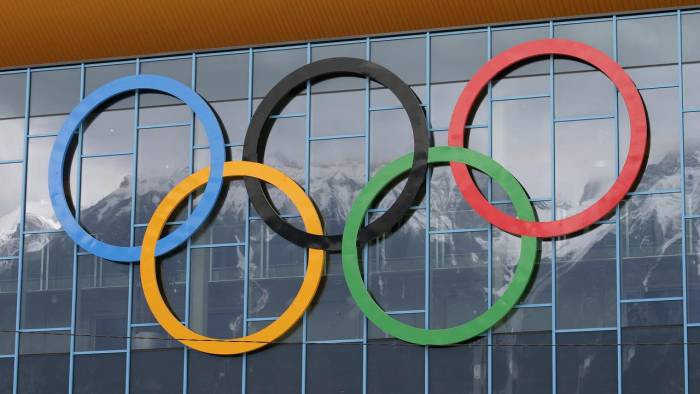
point(481, 323)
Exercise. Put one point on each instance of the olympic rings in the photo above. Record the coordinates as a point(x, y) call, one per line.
point(60, 149)
point(149, 275)
point(282, 93)
point(628, 175)
point(481, 323)
point(354, 235)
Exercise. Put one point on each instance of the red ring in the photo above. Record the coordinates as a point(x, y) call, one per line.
point(628, 175)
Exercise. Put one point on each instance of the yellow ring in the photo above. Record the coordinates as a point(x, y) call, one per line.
point(149, 276)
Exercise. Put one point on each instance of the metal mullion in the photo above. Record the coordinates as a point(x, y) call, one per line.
point(23, 209)
point(655, 299)
point(553, 191)
point(108, 154)
point(684, 259)
point(578, 330)
point(521, 97)
point(43, 134)
point(156, 59)
point(111, 63)
point(74, 295)
point(164, 125)
point(288, 116)
point(246, 277)
point(132, 241)
point(277, 48)
point(582, 118)
point(397, 38)
point(307, 172)
point(188, 254)
point(489, 275)
point(19, 161)
point(221, 245)
point(365, 250)
point(426, 286)
point(656, 87)
point(336, 43)
point(581, 21)
point(221, 53)
point(89, 352)
point(653, 192)
point(336, 137)
point(459, 230)
point(618, 257)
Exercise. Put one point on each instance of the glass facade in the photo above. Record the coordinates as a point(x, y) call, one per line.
point(613, 309)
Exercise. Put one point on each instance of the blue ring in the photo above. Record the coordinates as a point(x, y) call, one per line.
point(69, 129)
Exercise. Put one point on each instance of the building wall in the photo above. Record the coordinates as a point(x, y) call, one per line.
point(620, 301)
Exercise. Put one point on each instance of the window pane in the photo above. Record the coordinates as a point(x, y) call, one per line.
point(342, 49)
point(43, 355)
point(8, 305)
point(12, 134)
point(449, 209)
point(275, 370)
point(172, 273)
point(458, 277)
point(7, 368)
point(47, 281)
point(337, 173)
point(110, 128)
point(226, 223)
point(216, 291)
point(163, 161)
point(654, 333)
point(105, 198)
point(582, 93)
point(102, 304)
point(406, 59)
point(223, 77)
point(662, 170)
point(651, 246)
point(213, 374)
point(177, 69)
point(692, 244)
point(345, 375)
point(586, 164)
point(460, 368)
point(286, 151)
point(691, 123)
point(522, 143)
point(587, 369)
point(528, 77)
point(334, 314)
point(156, 363)
point(11, 175)
point(596, 34)
point(269, 67)
point(53, 95)
point(276, 269)
point(13, 88)
point(397, 265)
point(223, 82)
point(103, 373)
point(39, 213)
point(521, 364)
point(586, 285)
point(505, 255)
point(693, 359)
point(646, 41)
point(395, 366)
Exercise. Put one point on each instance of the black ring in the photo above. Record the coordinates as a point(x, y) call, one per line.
point(288, 88)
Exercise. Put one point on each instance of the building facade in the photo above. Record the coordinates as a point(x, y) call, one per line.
point(614, 308)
